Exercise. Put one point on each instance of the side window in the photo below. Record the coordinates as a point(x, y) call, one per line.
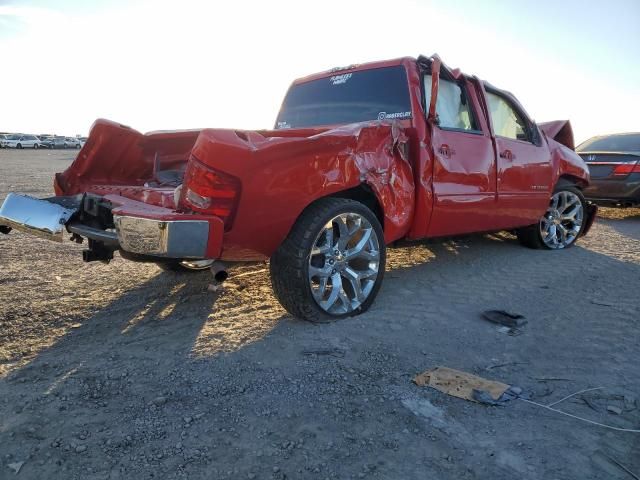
point(506, 121)
point(452, 106)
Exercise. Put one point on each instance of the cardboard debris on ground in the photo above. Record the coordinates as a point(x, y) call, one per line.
point(459, 384)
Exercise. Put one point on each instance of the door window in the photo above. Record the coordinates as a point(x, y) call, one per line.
point(506, 120)
point(452, 106)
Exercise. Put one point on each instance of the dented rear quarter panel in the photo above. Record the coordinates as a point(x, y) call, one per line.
point(281, 175)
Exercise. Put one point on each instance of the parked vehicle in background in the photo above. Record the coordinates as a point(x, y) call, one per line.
point(3, 140)
point(58, 142)
point(614, 164)
point(23, 141)
point(360, 157)
point(46, 142)
point(71, 142)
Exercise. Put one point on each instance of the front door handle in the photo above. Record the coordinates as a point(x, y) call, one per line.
point(507, 155)
point(446, 151)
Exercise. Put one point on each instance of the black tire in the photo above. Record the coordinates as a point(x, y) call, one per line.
point(78, 146)
point(19, 146)
point(289, 265)
point(35, 146)
point(532, 238)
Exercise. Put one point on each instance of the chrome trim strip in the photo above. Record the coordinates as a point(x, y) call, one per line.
point(41, 218)
point(611, 163)
point(171, 239)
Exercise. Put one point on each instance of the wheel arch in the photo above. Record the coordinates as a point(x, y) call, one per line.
point(364, 194)
point(568, 180)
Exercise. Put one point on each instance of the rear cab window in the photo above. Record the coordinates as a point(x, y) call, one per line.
point(347, 97)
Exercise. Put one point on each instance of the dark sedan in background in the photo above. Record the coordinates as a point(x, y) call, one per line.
point(614, 164)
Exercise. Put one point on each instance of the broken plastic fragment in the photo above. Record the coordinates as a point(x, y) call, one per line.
point(502, 317)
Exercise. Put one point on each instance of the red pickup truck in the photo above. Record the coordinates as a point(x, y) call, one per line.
point(360, 156)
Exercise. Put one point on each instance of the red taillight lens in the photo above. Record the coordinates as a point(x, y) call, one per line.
point(626, 169)
point(210, 191)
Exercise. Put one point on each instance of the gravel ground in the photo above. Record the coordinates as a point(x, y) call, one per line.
point(124, 371)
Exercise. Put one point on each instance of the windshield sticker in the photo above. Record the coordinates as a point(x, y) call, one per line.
point(340, 79)
point(391, 116)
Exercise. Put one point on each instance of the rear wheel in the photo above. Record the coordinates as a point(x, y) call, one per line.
point(185, 265)
point(19, 145)
point(562, 223)
point(35, 145)
point(332, 263)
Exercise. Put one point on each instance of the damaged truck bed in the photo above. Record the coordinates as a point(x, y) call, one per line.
point(360, 157)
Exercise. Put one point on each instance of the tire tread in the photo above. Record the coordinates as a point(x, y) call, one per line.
point(288, 264)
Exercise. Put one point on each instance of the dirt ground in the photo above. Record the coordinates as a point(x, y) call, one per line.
point(123, 371)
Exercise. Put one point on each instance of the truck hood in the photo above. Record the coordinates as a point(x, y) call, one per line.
point(560, 131)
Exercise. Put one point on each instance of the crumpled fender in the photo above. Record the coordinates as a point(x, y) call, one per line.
point(560, 131)
point(564, 161)
point(283, 171)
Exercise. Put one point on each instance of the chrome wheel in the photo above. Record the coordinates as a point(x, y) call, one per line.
point(562, 223)
point(344, 263)
point(196, 264)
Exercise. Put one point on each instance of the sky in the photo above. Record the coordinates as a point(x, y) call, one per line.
point(160, 65)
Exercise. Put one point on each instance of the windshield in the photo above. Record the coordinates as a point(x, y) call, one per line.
point(376, 94)
point(612, 143)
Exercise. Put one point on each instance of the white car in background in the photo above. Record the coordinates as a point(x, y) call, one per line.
point(70, 142)
point(23, 141)
point(3, 140)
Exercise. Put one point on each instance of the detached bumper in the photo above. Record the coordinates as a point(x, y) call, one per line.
point(38, 217)
point(139, 228)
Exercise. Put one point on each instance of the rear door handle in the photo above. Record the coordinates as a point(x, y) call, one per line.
point(507, 154)
point(446, 151)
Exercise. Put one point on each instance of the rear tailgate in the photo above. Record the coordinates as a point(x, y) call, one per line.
point(610, 165)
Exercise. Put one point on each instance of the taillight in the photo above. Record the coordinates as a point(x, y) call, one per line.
point(626, 169)
point(210, 191)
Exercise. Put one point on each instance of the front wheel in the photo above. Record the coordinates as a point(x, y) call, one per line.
point(35, 146)
point(562, 223)
point(332, 263)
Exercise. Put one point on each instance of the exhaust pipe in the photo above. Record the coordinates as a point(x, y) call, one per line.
point(219, 271)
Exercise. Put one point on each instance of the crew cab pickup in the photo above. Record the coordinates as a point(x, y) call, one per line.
point(360, 157)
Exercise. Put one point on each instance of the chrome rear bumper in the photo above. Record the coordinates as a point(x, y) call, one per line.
point(183, 239)
point(173, 239)
point(37, 217)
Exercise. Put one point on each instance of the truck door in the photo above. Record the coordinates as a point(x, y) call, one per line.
point(464, 172)
point(524, 163)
